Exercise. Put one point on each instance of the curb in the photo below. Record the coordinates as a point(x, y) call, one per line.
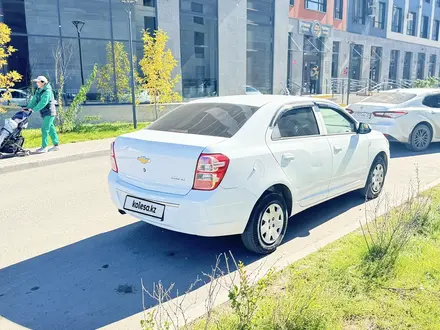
point(321, 96)
point(51, 161)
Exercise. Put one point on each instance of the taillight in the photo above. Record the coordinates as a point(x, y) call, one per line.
point(389, 114)
point(349, 111)
point(210, 171)
point(113, 158)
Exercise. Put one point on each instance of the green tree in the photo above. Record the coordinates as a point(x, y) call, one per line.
point(157, 67)
point(119, 66)
point(8, 79)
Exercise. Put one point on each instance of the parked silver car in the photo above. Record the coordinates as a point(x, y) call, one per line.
point(19, 97)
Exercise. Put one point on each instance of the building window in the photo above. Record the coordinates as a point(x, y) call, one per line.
point(394, 61)
point(359, 11)
point(421, 66)
point(318, 5)
point(197, 7)
point(150, 3)
point(199, 48)
point(425, 27)
point(396, 25)
point(437, 2)
point(335, 59)
point(292, 2)
point(411, 25)
point(339, 5)
point(432, 64)
point(356, 57)
point(375, 63)
point(199, 52)
point(199, 39)
point(379, 20)
point(150, 24)
point(198, 20)
point(259, 45)
point(435, 33)
point(407, 66)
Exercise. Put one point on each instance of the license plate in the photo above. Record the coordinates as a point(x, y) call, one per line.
point(144, 207)
point(362, 115)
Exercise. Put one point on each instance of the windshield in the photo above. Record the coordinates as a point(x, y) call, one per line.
point(390, 98)
point(212, 119)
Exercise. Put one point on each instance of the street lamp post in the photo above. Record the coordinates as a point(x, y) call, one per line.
point(130, 4)
point(79, 26)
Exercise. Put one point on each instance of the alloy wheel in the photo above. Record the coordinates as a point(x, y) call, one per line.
point(421, 137)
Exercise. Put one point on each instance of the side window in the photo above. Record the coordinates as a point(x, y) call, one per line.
point(336, 122)
point(432, 101)
point(296, 123)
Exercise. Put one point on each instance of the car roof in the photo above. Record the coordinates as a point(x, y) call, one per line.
point(260, 100)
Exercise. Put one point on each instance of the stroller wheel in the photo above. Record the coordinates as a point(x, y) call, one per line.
point(1, 155)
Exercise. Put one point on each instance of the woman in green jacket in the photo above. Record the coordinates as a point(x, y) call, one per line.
point(43, 102)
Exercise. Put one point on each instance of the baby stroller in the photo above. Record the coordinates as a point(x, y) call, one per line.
point(11, 139)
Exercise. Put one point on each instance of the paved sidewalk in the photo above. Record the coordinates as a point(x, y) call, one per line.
point(69, 152)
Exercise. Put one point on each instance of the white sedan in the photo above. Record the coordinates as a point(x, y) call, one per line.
point(410, 116)
point(242, 165)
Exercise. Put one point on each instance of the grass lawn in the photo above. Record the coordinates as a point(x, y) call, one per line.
point(330, 289)
point(87, 132)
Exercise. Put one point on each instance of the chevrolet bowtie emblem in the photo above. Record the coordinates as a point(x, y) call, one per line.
point(144, 160)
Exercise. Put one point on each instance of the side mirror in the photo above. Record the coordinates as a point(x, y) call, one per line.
point(364, 128)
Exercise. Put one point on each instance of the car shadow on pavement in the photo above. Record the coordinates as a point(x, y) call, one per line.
point(96, 281)
point(398, 150)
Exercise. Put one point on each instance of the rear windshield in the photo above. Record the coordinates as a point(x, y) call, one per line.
point(212, 119)
point(390, 98)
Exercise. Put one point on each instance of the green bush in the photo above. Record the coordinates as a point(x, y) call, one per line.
point(68, 119)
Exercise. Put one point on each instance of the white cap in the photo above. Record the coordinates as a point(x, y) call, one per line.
point(43, 79)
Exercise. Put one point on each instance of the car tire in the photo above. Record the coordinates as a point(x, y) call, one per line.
point(375, 180)
point(420, 138)
point(267, 224)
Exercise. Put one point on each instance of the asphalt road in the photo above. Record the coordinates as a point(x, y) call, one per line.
point(68, 260)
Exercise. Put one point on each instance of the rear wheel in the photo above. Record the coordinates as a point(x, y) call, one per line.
point(376, 179)
point(420, 138)
point(267, 225)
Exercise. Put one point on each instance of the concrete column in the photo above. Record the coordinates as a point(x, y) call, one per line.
point(326, 69)
point(168, 19)
point(366, 61)
point(281, 30)
point(232, 28)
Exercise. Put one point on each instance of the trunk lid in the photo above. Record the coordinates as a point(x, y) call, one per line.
point(363, 112)
point(160, 161)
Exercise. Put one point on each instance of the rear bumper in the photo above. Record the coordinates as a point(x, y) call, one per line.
point(222, 212)
point(392, 131)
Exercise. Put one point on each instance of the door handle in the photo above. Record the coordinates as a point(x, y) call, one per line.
point(287, 157)
point(337, 149)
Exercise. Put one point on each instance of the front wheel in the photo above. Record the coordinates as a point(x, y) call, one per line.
point(420, 138)
point(376, 179)
point(267, 225)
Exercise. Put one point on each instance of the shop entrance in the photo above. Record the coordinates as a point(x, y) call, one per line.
point(312, 69)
